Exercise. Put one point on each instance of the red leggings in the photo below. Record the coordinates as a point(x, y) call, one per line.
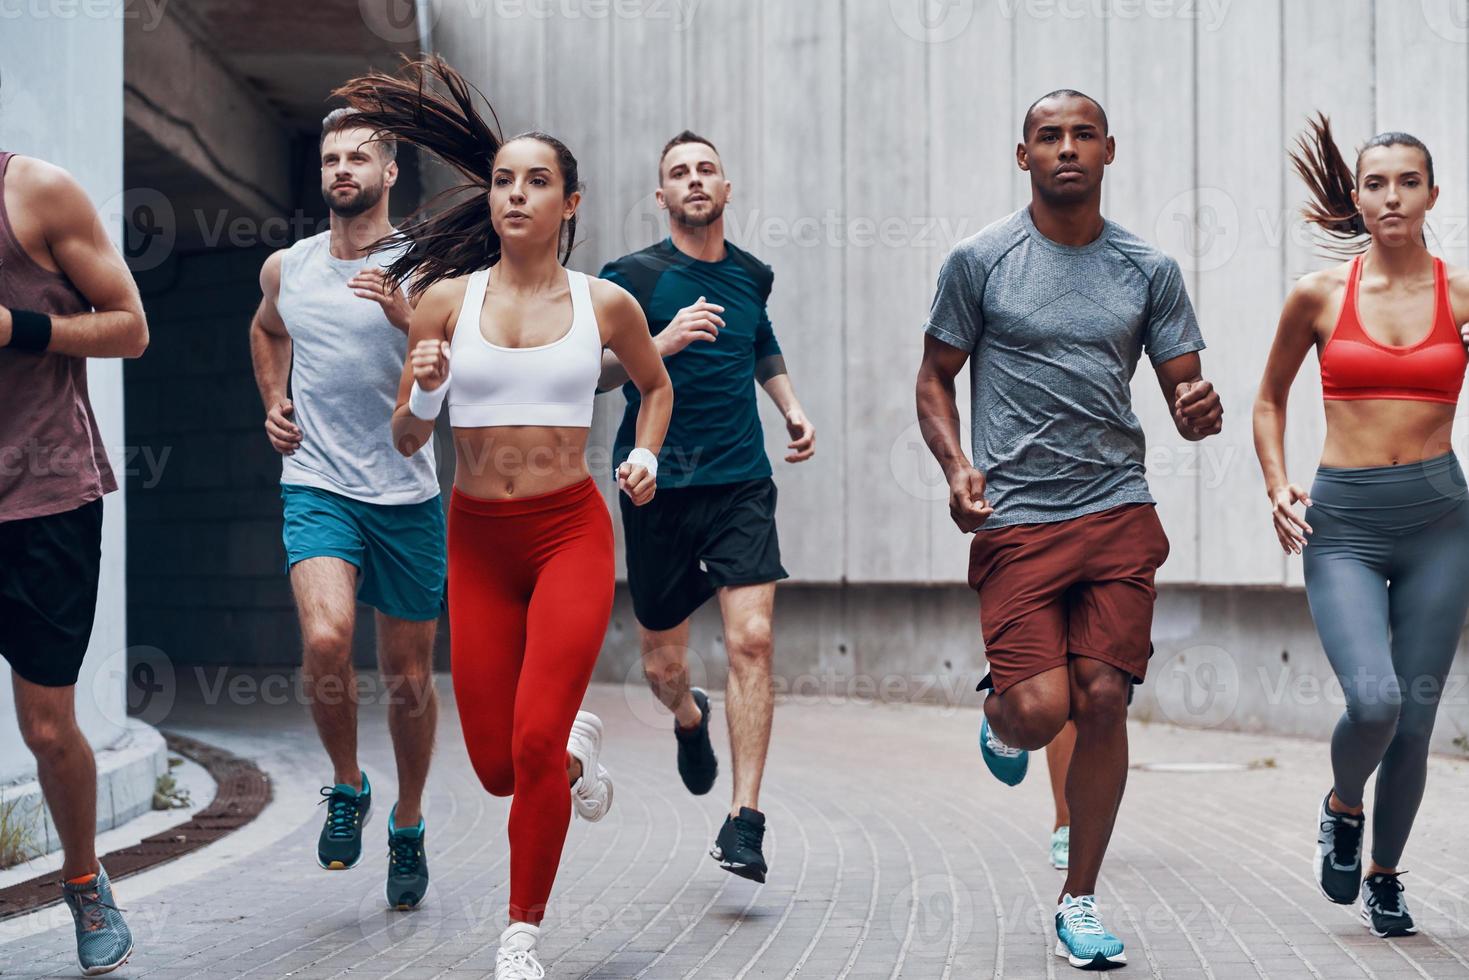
point(530, 596)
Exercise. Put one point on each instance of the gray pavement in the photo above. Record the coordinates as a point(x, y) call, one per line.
point(893, 854)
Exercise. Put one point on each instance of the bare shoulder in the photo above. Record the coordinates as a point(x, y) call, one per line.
point(41, 177)
point(445, 293)
point(48, 190)
point(1315, 291)
point(270, 272)
point(438, 305)
point(609, 297)
point(1458, 278)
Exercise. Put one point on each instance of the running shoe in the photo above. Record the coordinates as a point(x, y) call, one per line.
point(1061, 848)
point(1007, 764)
point(1081, 937)
point(103, 940)
point(407, 863)
point(1339, 854)
point(340, 845)
point(516, 959)
point(697, 764)
point(591, 794)
point(1384, 909)
point(737, 848)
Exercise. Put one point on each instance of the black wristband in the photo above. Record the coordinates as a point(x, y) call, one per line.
point(29, 330)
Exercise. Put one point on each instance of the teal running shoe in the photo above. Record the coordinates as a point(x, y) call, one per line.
point(407, 863)
point(1081, 937)
point(1007, 764)
point(1061, 848)
point(103, 940)
point(340, 845)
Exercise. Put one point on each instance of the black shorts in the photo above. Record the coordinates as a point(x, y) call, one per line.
point(48, 592)
point(687, 542)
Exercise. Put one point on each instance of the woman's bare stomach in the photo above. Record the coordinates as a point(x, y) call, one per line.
point(1385, 432)
point(500, 462)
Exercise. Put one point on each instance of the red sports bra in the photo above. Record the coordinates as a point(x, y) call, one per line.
point(1353, 365)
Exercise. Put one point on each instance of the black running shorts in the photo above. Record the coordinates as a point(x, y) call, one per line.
point(48, 592)
point(688, 542)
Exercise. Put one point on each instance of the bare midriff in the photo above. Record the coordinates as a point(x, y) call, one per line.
point(1385, 431)
point(506, 461)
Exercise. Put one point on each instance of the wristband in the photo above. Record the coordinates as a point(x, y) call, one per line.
point(426, 404)
point(29, 331)
point(644, 458)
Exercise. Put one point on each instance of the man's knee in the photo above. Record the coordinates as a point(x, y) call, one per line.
point(47, 737)
point(1033, 715)
point(1099, 693)
point(749, 643)
point(328, 643)
point(409, 677)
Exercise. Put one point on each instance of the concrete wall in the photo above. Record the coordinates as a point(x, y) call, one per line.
point(77, 125)
point(863, 140)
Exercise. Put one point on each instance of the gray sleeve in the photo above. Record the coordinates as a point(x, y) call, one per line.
point(1172, 329)
point(957, 317)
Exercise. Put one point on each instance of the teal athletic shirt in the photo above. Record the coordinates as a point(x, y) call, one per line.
point(714, 435)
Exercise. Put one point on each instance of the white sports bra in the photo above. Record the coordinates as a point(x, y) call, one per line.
point(552, 384)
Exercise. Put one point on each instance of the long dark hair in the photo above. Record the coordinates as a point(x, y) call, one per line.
point(432, 106)
point(1331, 181)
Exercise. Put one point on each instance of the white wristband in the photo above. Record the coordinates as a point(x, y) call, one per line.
point(644, 458)
point(426, 404)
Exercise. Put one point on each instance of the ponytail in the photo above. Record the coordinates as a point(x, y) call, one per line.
point(1320, 163)
point(432, 106)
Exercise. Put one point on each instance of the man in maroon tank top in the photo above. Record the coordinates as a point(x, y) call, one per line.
point(65, 295)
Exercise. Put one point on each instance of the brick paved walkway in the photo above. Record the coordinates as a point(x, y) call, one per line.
point(893, 855)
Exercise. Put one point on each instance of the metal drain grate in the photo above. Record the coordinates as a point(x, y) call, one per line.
point(243, 791)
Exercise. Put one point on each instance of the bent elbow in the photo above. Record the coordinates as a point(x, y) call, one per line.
point(138, 338)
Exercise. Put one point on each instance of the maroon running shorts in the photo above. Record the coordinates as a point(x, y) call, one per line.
point(1080, 587)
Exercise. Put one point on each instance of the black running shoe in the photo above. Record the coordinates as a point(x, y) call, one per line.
point(697, 764)
point(340, 845)
point(1384, 910)
point(737, 848)
point(1339, 854)
point(407, 864)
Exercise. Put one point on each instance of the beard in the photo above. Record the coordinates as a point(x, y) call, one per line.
point(683, 217)
point(364, 200)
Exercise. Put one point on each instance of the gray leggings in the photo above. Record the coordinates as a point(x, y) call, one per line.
point(1387, 576)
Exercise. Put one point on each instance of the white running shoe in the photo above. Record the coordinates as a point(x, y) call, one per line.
point(591, 795)
point(516, 959)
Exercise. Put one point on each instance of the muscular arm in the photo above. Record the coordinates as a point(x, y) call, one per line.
point(1294, 337)
point(78, 245)
point(270, 343)
point(938, 408)
point(431, 319)
point(630, 343)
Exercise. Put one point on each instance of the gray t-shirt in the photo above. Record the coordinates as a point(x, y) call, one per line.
point(346, 359)
point(1054, 333)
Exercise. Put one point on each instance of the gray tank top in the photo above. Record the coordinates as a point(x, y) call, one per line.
point(346, 362)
